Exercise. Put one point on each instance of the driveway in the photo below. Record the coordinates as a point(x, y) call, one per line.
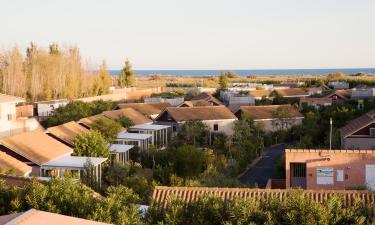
point(264, 169)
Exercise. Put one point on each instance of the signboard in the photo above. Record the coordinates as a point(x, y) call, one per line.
point(324, 175)
point(340, 175)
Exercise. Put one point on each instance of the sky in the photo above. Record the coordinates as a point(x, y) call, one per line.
point(199, 34)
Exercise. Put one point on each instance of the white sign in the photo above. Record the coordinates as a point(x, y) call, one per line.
point(340, 175)
point(324, 175)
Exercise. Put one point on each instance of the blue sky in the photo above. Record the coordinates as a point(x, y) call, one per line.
point(200, 34)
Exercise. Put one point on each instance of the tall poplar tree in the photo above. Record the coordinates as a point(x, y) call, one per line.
point(127, 76)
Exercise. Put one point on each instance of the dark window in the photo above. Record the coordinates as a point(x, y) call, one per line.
point(216, 127)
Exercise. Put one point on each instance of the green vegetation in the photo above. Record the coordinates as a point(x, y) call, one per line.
point(91, 144)
point(127, 76)
point(75, 111)
point(296, 210)
point(223, 81)
point(170, 94)
point(108, 128)
point(71, 198)
point(125, 121)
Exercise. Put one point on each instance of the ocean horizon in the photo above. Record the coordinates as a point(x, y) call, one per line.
point(272, 72)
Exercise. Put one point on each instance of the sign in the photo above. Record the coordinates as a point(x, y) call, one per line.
point(324, 175)
point(340, 175)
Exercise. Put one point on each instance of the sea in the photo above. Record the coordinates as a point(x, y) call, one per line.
point(273, 72)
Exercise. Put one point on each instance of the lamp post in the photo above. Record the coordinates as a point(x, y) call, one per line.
point(330, 134)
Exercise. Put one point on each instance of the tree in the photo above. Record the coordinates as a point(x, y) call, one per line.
point(193, 133)
point(90, 144)
point(127, 76)
point(188, 161)
point(282, 118)
point(108, 128)
point(125, 121)
point(104, 80)
point(223, 81)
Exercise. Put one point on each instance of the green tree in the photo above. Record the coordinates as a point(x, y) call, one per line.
point(282, 118)
point(108, 128)
point(223, 81)
point(125, 121)
point(90, 144)
point(127, 76)
point(104, 80)
point(193, 133)
point(188, 161)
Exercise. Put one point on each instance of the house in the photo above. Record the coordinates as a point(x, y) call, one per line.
point(151, 110)
point(36, 217)
point(162, 194)
point(46, 155)
point(339, 96)
point(338, 85)
point(88, 121)
point(359, 133)
point(174, 101)
point(44, 109)
point(321, 169)
point(317, 90)
point(135, 116)
point(362, 93)
point(140, 140)
point(217, 118)
point(67, 132)
point(260, 94)
point(315, 102)
point(291, 93)
point(159, 133)
point(8, 164)
point(208, 98)
point(120, 152)
point(264, 116)
point(194, 103)
point(10, 124)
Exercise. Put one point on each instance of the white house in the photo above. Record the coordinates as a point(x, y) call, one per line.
point(46, 108)
point(10, 124)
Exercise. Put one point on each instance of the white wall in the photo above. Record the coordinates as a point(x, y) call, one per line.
point(225, 126)
point(46, 109)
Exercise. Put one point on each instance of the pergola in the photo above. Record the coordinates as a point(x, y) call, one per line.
point(73, 163)
point(120, 152)
point(159, 133)
point(136, 139)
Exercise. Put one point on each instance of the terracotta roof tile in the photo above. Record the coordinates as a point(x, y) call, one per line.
point(266, 111)
point(67, 131)
point(162, 194)
point(36, 146)
point(7, 163)
point(200, 113)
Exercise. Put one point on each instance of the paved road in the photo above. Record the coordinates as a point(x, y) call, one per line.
point(264, 169)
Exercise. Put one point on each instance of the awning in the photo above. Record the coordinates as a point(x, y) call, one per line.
point(73, 162)
point(119, 148)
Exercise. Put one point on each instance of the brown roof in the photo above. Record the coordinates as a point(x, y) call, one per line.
point(67, 131)
point(36, 146)
point(260, 93)
point(315, 101)
point(344, 94)
point(161, 194)
point(9, 98)
point(7, 163)
point(262, 112)
point(206, 97)
point(146, 108)
point(130, 113)
point(200, 113)
point(194, 103)
point(290, 92)
point(89, 120)
point(358, 123)
point(36, 217)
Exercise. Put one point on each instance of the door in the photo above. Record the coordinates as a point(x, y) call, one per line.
point(298, 175)
point(370, 176)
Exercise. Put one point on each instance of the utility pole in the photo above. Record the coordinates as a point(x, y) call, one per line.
point(330, 134)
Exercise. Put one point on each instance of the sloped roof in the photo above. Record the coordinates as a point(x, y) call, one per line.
point(290, 92)
point(132, 114)
point(200, 113)
point(67, 131)
point(7, 162)
point(89, 120)
point(316, 101)
point(260, 93)
point(36, 217)
point(36, 146)
point(146, 108)
point(162, 194)
point(344, 94)
point(262, 112)
point(358, 123)
point(206, 97)
point(9, 98)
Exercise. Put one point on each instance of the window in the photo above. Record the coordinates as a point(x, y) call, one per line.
point(216, 127)
point(334, 97)
point(10, 117)
point(372, 131)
